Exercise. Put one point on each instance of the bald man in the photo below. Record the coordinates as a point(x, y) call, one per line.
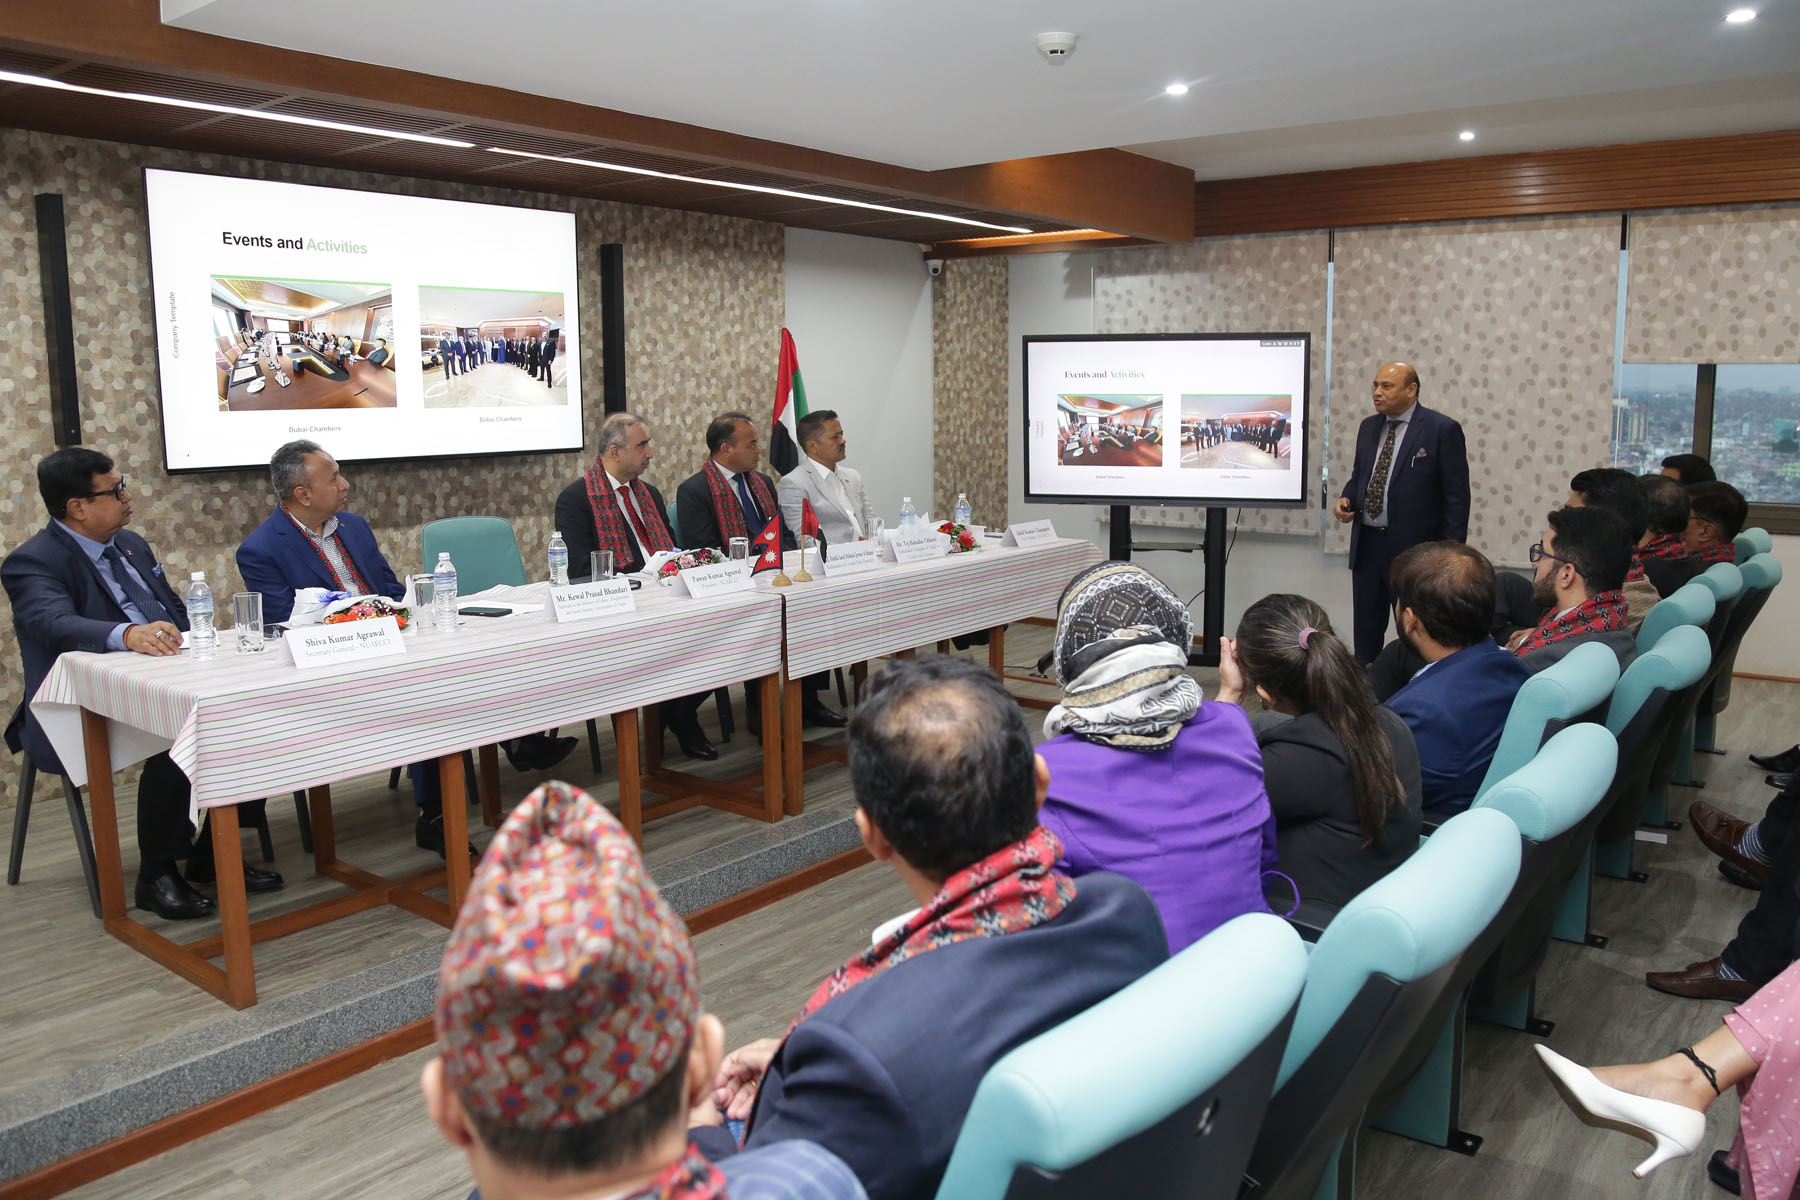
point(1410, 485)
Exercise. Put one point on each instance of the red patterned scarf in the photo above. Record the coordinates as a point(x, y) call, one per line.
point(610, 529)
point(690, 1177)
point(1603, 613)
point(356, 585)
point(1662, 545)
point(727, 508)
point(1717, 552)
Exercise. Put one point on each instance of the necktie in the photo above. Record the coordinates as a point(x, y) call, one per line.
point(752, 518)
point(1375, 499)
point(147, 605)
point(631, 514)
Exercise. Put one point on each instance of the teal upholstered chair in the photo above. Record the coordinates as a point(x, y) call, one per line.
point(484, 549)
point(1555, 696)
point(1760, 575)
point(1689, 604)
point(1375, 999)
point(1157, 1091)
point(1750, 543)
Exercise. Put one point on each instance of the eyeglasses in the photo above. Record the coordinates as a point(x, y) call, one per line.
point(116, 491)
point(1538, 552)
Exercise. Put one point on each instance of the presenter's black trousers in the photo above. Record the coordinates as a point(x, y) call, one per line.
point(1373, 602)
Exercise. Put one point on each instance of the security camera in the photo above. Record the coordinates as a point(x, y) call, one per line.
point(1056, 47)
point(935, 266)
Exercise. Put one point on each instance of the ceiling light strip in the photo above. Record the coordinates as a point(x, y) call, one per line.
point(229, 110)
point(752, 187)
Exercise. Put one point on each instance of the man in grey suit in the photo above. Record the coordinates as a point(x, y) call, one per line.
point(836, 491)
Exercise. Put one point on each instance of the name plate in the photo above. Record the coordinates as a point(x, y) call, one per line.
point(1029, 533)
point(852, 558)
point(927, 543)
point(351, 641)
point(714, 579)
point(585, 601)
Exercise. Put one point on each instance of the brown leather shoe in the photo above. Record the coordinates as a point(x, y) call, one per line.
point(1721, 832)
point(1700, 981)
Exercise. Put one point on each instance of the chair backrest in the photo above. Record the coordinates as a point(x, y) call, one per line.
point(484, 549)
point(1158, 1090)
point(1753, 541)
point(1375, 976)
point(1689, 604)
point(1677, 660)
point(1760, 575)
point(1560, 785)
point(1558, 694)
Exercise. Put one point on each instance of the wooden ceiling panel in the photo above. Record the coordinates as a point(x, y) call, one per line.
point(355, 114)
point(131, 79)
point(251, 137)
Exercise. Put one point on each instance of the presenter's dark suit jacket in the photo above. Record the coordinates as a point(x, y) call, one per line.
point(61, 603)
point(883, 1075)
point(1456, 710)
point(700, 524)
point(276, 558)
point(575, 521)
point(1428, 483)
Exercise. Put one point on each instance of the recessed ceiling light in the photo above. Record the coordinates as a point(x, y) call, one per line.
point(1176, 89)
point(1467, 135)
point(1740, 16)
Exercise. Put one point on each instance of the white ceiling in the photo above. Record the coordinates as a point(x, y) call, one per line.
point(468, 307)
point(1277, 85)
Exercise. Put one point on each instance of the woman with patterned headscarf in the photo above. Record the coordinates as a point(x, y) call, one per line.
point(1145, 780)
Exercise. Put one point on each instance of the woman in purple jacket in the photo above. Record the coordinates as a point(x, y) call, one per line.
point(1146, 780)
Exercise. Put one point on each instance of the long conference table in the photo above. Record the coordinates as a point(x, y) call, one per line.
point(244, 727)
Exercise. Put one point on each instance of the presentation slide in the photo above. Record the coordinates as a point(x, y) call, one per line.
point(1212, 419)
point(380, 326)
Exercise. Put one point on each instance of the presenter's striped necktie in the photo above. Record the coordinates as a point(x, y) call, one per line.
point(1375, 499)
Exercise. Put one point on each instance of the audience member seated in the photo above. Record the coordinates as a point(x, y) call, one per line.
point(884, 1059)
point(1755, 1050)
point(1146, 780)
point(1662, 554)
point(1456, 706)
point(1716, 515)
point(1342, 772)
point(1397, 663)
point(571, 1045)
point(1579, 566)
point(1617, 492)
point(1688, 469)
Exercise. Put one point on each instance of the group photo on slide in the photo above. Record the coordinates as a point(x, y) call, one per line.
point(1110, 431)
point(1236, 431)
point(302, 343)
point(492, 348)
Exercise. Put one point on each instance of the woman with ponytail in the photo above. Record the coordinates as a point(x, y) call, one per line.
point(1342, 772)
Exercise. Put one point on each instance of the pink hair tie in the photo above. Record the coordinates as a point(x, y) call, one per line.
point(1306, 633)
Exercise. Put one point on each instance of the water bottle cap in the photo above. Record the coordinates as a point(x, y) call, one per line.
point(197, 577)
point(443, 555)
point(906, 499)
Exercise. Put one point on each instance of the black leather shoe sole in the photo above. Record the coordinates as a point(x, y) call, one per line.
point(1725, 1176)
point(1780, 783)
point(1736, 874)
point(255, 878)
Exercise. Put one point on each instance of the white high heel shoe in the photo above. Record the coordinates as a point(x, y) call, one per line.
point(1677, 1131)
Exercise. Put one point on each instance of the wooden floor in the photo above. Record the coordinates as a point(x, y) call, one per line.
point(369, 1137)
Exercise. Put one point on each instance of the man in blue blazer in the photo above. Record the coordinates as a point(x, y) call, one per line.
point(1457, 704)
point(884, 1061)
point(1410, 485)
point(85, 582)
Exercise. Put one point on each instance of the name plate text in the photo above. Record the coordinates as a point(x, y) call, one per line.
point(585, 601)
point(352, 641)
point(1029, 533)
point(852, 558)
point(927, 543)
point(714, 579)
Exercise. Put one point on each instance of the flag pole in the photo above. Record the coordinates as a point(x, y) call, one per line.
point(781, 579)
point(802, 576)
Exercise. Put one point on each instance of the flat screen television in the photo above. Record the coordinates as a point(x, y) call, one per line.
point(381, 326)
point(1192, 419)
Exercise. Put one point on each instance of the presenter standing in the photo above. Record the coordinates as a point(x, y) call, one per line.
point(1410, 485)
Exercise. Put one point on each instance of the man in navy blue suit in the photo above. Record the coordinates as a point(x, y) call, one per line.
point(1410, 485)
point(883, 1063)
point(85, 582)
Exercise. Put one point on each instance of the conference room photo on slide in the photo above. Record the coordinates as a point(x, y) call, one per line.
point(385, 326)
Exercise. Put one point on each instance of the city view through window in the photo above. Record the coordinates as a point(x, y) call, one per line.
point(1755, 416)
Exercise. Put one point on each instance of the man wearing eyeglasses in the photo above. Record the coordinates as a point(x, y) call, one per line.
point(1579, 570)
point(85, 582)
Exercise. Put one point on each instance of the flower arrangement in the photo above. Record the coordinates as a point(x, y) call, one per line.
point(365, 608)
point(961, 540)
point(703, 557)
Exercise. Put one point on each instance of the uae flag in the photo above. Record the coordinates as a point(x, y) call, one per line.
point(790, 406)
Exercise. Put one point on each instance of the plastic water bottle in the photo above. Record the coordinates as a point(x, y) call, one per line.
point(964, 514)
point(443, 593)
point(559, 560)
point(203, 639)
point(908, 515)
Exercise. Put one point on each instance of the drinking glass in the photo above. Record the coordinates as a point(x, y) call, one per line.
point(876, 528)
point(600, 565)
point(423, 614)
point(247, 621)
point(739, 549)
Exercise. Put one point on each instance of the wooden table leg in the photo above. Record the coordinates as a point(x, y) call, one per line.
point(859, 679)
point(651, 716)
point(456, 828)
point(104, 806)
point(631, 797)
point(318, 805)
point(490, 786)
point(774, 781)
point(997, 650)
point(234, 907)
point(944, 647)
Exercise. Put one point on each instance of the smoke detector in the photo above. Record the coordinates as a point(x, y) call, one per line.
point(1056, 47)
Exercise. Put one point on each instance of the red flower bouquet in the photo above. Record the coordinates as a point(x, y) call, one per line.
point(365, 608)
point(961, 540)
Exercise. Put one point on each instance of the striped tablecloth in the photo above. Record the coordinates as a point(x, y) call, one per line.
point(835, 622)
point(245, 726)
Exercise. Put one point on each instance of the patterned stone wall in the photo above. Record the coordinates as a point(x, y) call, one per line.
point(1683, 264)
point(704, 302)
point(969, 422)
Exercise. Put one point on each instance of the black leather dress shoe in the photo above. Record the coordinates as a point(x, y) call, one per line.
point(820, 717)
point(695, 745)
point(535, 752)
point(1781, 782)
point(1787, 760)
point(428, 834)
point(200, 870)
point(1723, 1174)
point(169, 897)
point(1736, 874)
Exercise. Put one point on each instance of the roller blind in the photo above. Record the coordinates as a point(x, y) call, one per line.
point(1720, 286)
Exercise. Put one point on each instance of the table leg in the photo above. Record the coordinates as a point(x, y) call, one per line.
point(653, 738)
point(104, 806)
point(490, 786)
point(997, 650)
point(944, 647)
point(456, 828)
point(793, 751)
point(774, 781)
point(234, 908)
point(859, 679)
point(631, 799)
point(318, 804)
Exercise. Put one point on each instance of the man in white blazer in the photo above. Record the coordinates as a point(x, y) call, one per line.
point(836, 491)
